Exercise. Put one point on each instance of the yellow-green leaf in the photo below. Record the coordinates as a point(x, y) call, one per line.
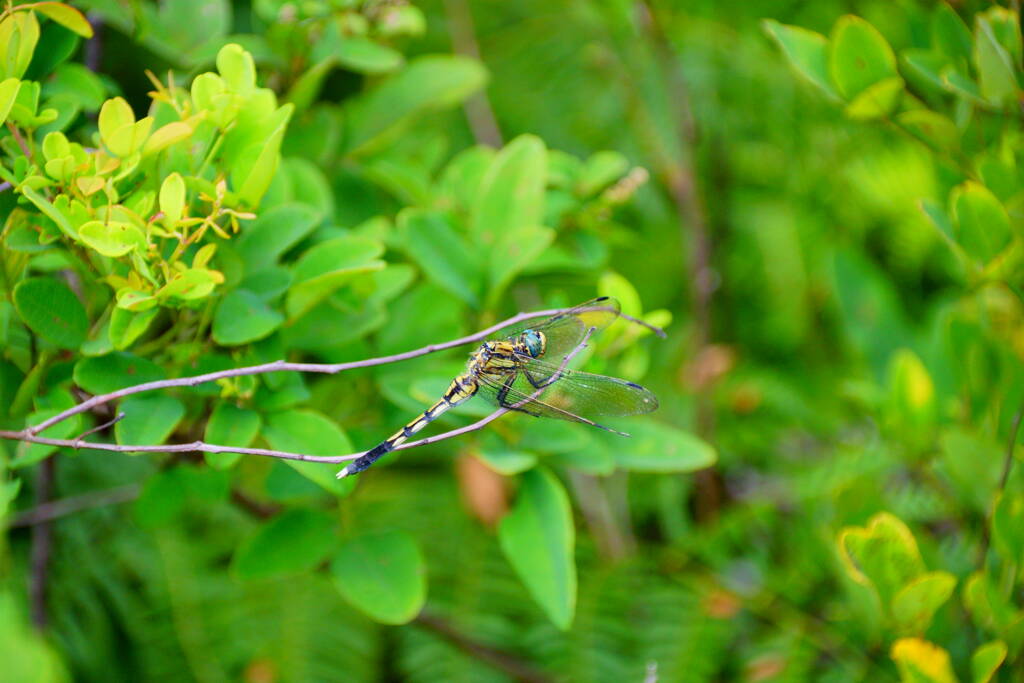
point(172, 198)
point(165, 136)
point(111, 238)
point(19, 33)
point(919, 661)
point(65, 15)
point(8, 93)
point(877, 100)
point(986, 660)
point(883, 555)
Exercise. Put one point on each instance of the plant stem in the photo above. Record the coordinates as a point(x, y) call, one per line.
point(42, 545)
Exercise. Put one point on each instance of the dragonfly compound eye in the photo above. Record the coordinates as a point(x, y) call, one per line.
point(534, 342)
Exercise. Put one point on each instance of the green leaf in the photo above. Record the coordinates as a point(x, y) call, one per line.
point(230, 425)
point(538, 539)
point(74, 83)
point(961, 86)
point(65, 15)
point(148, 420)
point(916, 603)
point(365, 56)
point(511, 195)
point(950, 35)
point(446, 258)
point(503, 458)
point(382, 575)
point(252, 185)
point(931, 127)
point(294, 542)
point(275, 231)
point(657, 447)
point(310, 433)
point(52, 311)
point(242, 317)
point(513, 251)
point(268, 284)
point(127, 326)
point(986, 660)
point(112, 238)
point(927, 65)
point(992, 610)
point(104, 374)
point(859, 56)
point(876, 101)
point(806, 51)
point(50, 211)
point(167, 494)
point(996, 69)
point(162, 499)
point(327, 266)
point(982, 224)
point(428, 83)
point(304, 91)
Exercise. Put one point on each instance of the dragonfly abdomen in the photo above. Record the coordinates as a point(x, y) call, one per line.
point(461, 389)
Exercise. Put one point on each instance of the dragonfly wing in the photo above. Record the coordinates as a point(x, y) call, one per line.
point(506, 394)
point(565, 330)
point(578, 393)
point(590, 394)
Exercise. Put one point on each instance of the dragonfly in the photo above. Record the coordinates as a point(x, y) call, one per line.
point(523, 369)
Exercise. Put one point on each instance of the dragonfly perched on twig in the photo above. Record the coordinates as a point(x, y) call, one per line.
point(523, 369)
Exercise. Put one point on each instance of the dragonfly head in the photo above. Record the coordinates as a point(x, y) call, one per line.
point(534, 341)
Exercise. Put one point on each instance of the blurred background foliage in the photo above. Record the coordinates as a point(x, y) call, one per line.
point(819, 201)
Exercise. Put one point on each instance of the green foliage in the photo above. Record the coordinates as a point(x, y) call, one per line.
point(382, 575)
point(320, 182)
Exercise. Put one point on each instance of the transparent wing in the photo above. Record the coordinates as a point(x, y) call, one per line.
point(565, 330)
point(575, 396)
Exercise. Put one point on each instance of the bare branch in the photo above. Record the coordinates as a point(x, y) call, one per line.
point(55, 509)
point(31, 434)
point(42, 548)
point(194, 446)
point(282, 366)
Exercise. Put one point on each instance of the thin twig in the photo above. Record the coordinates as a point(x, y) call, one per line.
point(503, 661)
point(681, 177)
point(194, 446)
point(282, 366)
point(99, 428)
point(42, 545)
point(30, 434)
point(55, 509)
point(479, 112)
point(1003, 479)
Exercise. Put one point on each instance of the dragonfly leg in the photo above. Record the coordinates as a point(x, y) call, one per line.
point(502, 396)
point(541, 383)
